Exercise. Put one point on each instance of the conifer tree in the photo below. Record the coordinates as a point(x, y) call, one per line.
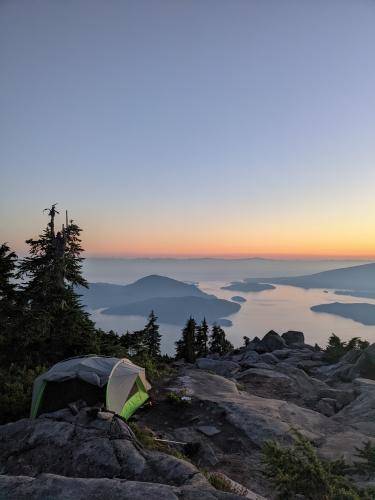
point(202, 339)
point(8, 260)
point(185, 347)
point(152, 337)
point(8, 304)
point(55, 326)
point(218, 341)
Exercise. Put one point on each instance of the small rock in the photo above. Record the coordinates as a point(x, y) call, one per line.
point(327, 406)
point(208, 430)
point(268, 358)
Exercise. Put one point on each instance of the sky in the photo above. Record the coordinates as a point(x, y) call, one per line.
point(191, 127)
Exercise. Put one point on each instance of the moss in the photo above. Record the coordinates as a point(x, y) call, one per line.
point(147, 439)
point(221, 483)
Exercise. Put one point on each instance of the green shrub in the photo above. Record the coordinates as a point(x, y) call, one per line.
point(367, 456)
point(147, 439)
point(16, 390)
point(336, 348)
point(298, 470)
point(156, 368)
point(177, 398)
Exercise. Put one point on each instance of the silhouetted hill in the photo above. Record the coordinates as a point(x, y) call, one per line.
point(362, 313)
point(176, 310)
point(173, 301)
point(100, 295)
point(357, 278)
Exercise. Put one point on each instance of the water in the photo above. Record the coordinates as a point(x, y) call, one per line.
point(282, 309)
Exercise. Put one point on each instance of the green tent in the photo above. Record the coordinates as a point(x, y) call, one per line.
point(117, 383)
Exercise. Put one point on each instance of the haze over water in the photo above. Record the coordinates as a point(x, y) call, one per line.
point(285, 308)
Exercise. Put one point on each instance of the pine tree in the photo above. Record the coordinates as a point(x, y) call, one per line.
point(218, 341)
point(202, 339)
point(152, 337)
point(185, 347)
point(8, 260)
point(8, 303)
point(55, 326)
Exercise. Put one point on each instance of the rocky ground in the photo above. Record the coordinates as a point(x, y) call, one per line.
point(261, 392)
point(235, 403)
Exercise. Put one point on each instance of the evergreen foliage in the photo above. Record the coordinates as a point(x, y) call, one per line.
point(298, 471)
point(367, 456)
point(152, 337)
point(218, 341)
point(185, 347)
point(8, 299)
point(53, 325)
point(8, 260)
point(336, 348)
point(16, 388)
point(246, 341)
point(201, 339)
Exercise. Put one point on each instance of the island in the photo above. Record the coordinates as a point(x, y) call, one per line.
point(238, 298)
point(173, 301)
point(247, 286)
point(362, 312)
point(354, 278)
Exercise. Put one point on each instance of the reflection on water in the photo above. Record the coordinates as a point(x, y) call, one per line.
point(285, 308)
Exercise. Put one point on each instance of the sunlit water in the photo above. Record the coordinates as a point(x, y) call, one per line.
point(282, 309)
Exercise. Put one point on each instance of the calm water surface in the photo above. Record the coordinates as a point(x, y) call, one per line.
point(285, 308)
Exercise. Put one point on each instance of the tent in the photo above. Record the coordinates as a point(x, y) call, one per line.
point(118, 383)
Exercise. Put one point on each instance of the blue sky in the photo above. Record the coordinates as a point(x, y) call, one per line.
point(204, 127)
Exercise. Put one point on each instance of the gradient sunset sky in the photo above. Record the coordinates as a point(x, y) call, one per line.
point(191, 127)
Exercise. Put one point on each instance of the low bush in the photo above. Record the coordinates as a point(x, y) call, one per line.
point(178, 398)
point(297, 470)
point(16, 390)
point(336, 348)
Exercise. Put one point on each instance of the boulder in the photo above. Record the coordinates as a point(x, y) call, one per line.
point(264, 366)
point(50, 486)
point(360, 412)
point(258, 373)
point(365, 365)
point(272, 341)
point(249, 356)
point(257, 345)
point(48, 445)
point(327, 406)
point(293, 337)
point(268, 358)
point(342, 397)
point(282, 353)
point(220, 367)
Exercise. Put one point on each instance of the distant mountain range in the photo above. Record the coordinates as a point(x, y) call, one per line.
point(357, 278)
point(173, 301)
